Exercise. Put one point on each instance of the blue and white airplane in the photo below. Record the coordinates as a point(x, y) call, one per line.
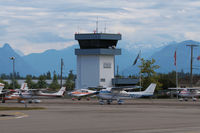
point(110, 94)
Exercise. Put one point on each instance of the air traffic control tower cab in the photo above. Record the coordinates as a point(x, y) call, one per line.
point(96, 59)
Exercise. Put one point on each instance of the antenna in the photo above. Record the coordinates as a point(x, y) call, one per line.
point(97, 25)
point(105, 28)
point(78, 28)
point(61, 71)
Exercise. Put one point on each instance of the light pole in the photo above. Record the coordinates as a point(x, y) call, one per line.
point(13, 76)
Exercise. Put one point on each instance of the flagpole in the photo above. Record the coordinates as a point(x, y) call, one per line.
point(176, 74)
point(134, 63)
point(140, 71)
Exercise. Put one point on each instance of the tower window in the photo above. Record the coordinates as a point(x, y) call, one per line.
point(107, 65)
point(103, 80)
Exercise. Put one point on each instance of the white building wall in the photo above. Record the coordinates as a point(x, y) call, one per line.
point(87, 71)
point(106, 70)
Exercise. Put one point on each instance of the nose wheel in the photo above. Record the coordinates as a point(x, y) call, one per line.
point(120, 102)
point(101, 102)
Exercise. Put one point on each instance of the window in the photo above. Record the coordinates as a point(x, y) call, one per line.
point(103, 80)
point(107, 65)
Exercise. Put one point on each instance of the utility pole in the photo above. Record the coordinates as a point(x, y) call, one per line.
point(97, 25)
point(191, 62)
point(13, 76)
point(61, 71)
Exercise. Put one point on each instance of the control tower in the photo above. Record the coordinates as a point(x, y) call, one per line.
point(96, 59)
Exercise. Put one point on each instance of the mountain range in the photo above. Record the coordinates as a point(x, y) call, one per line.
point(21, 66)
point(39, 63)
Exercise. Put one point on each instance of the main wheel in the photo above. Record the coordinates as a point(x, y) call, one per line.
point(120, 102)
point(101, 102)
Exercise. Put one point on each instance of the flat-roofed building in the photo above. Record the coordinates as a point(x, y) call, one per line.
point(96, 59)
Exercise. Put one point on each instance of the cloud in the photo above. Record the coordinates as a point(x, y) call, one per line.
point(29, 24)
point(45, 37)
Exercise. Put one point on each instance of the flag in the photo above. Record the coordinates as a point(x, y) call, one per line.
point(138, 56)
point(198, 58)
point(175, 58)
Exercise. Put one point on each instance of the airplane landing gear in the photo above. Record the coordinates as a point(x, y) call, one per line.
point(109, 101)
point(181, 99)
point(73, 99)
point(194, 99)
point(79, 98)
point(120, 102)
point(88, 99)
point(3, 100)
point(185, 99)
point(101, 102)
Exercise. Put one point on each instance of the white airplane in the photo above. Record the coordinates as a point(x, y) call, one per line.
point(186, 93)
point(33, 95)
point(82, 93)
point(60, 93)
point(1, 88)
point(118, 94)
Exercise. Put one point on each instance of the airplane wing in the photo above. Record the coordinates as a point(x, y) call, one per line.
point(194, 88)
point(123, 88)
point(90, 94)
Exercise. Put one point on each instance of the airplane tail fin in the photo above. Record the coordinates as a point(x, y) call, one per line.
point(150, 90)
point(1, 87)
point(61, 92)
point(24, 87)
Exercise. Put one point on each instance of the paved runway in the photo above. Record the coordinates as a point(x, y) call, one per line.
point(135, 116)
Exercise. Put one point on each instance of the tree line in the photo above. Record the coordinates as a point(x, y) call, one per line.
point(41, 83)
point(163, 80)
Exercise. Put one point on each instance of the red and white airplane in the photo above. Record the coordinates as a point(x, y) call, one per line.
point(1, 88)
point(81, 93)
point(60, 93)
point(186, 93)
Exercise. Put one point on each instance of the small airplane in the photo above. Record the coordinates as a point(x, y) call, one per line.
point(60, 93)
point(79, 93)
point(11, 92)
point(110, 94)
point(1, 89)
point(33, 95)
point(186, 93)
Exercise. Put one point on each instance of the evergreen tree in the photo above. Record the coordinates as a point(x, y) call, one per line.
point(42, 82)
point(16, 85)
point(48, 75)
point(70, 81)
point(55, 85)
point(6, 85)
point(168, 80)
point(29, 82)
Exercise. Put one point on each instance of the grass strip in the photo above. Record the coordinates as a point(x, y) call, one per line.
point(20, 108)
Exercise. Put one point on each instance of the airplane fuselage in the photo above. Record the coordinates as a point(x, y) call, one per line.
point(123, 95)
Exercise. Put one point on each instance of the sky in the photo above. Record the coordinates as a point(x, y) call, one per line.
point(33, 26)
